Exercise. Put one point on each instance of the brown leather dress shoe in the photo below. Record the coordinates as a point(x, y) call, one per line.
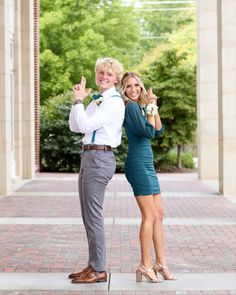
point(91, 277)
point(81, 273)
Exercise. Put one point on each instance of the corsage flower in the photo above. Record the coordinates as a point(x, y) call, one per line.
point(151, 109)
point(98, 98)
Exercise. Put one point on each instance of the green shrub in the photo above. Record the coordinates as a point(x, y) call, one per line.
point(60, 148)
point(121, 153)
point(168, 162)
point(187, 160)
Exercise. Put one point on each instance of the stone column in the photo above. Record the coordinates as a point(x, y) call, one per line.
point(18, 90)
point(5, 99)
point(227, 98)
point(36, 85)
point(207, 90)
point(27, 66)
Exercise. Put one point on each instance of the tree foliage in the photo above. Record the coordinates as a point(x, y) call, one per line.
point(182, 38)
point(73, 34)
point(184, 41)
point(160, 22)
point(163, 22)
point(60, 148)
point(174, 82)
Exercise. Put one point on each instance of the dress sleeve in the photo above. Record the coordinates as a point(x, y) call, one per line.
point(159, 132)
point(138, 123)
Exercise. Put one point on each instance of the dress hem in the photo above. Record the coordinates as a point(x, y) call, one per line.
point(147, 194)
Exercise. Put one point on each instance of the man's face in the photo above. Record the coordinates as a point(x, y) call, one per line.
point(105, 79)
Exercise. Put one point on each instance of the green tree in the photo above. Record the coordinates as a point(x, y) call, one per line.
point(162, 23)
point(184, 41)
point(182, 38)
point(174, 81)
point(121, 152)
point(54, 78)
point(73, 34)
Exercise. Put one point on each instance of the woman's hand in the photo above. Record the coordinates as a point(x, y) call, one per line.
point(150, 97)
point(80, 92)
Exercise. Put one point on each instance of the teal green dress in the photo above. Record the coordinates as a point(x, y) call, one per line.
point(139, 167)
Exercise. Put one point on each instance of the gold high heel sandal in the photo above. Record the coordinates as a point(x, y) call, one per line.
point(148, 273)
point(162, 270)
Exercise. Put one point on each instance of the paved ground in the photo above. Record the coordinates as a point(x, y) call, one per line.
point(42, 238)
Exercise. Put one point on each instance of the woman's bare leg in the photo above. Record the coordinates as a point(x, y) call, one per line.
point(158, 234)
point(147, 208)
point(158, 230)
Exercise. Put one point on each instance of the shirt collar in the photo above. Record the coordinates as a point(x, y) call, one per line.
point(109, 92)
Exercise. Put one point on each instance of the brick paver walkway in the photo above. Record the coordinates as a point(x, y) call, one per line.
point(41, 232)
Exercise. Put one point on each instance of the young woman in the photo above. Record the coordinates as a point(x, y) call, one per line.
point(142, 123)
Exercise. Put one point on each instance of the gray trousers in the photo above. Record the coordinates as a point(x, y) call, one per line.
point(97, 168)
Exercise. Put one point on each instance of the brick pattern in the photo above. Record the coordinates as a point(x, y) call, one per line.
point(114, 206)
point(63, 248)
point(118, 292)
point(117, 185)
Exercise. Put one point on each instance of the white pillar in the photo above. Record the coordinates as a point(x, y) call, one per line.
point(17, 144)
point(27, 66)
point(217, 93)
point(18, 91)
point(5, 99)
point(227, 99)
point(207, 89)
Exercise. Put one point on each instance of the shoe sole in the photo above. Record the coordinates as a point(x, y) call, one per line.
point(89, 282)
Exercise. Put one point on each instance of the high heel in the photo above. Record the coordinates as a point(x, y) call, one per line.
point(148, 273)
point(162, 270)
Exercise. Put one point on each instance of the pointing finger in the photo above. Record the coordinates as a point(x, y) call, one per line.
point(83, 82)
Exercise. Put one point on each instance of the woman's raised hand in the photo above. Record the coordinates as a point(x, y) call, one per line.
point(80, 92)
point(151, 97)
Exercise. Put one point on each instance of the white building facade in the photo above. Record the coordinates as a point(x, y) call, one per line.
point(17, 95)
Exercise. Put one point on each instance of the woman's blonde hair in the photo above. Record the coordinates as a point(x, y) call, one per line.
point(110, 63)
point(123, 85)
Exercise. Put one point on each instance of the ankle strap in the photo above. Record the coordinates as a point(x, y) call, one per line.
point(162, 265)
point(146, 269)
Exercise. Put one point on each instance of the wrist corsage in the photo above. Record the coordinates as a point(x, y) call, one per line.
point(151, 109)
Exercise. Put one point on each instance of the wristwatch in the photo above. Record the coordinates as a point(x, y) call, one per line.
point(77, 101)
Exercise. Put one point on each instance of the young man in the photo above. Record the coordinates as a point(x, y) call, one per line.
point(101, 124)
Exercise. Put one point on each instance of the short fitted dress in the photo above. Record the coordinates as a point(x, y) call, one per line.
point(139, 167)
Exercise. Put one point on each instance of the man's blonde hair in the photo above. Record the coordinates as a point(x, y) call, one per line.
point(110, 63)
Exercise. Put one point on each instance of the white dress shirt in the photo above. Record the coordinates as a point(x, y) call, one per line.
point(106, 118)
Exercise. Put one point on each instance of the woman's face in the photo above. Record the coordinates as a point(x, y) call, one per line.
point(133, 89)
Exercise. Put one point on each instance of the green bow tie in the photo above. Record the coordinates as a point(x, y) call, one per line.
point(96, 96)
